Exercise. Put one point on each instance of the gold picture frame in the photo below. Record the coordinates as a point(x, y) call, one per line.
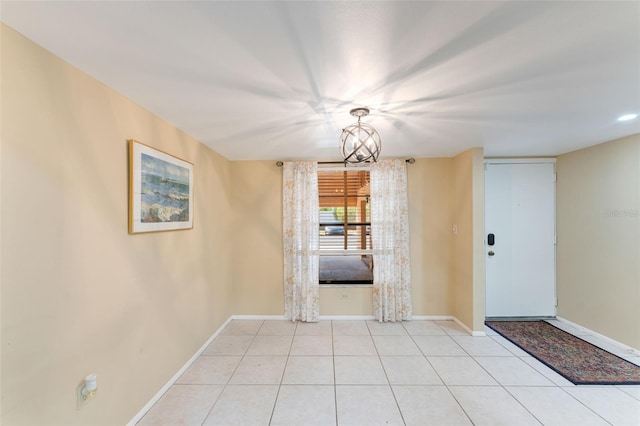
point(160, 190)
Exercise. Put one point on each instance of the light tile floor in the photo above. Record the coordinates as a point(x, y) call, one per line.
point(367, 373)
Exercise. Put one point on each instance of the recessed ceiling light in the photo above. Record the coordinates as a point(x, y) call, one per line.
point(627, 117)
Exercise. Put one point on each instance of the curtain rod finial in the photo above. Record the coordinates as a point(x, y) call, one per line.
point(279, 163)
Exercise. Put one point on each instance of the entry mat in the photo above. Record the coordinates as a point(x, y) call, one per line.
point(579, 361)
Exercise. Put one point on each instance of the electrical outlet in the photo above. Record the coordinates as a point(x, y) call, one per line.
point(86, 390)
point(343, 295)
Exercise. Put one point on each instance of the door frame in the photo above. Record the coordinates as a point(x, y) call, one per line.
point(534, 160)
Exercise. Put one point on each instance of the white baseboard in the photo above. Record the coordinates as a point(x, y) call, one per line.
point(630, 351)
point(365, 317)
point(176, 376)
point(346, 317)
point(257, 317)
point(450, 318)
point(321, 317)
point(468, 330)
point(432, 317)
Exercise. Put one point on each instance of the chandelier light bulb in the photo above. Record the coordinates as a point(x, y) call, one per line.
point(356, 137)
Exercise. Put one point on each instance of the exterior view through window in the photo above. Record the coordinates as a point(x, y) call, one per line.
point(345, 225)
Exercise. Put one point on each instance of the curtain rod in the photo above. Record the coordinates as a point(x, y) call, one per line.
point(281, 163)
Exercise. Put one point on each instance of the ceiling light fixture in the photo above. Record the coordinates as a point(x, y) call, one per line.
point(627, 117)
point(359, 142)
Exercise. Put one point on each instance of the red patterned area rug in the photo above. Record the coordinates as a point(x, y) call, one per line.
point(578, 361)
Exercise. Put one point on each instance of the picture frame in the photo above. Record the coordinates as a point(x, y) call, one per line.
point(160, 190)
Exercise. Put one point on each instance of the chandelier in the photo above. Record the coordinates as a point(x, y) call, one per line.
point(359, 142)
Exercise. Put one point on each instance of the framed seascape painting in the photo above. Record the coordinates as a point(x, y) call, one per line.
point(160, 190)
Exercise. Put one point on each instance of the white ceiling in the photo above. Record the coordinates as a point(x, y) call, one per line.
point(276, 80)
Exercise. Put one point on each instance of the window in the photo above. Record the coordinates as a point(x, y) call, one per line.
point(345, 227)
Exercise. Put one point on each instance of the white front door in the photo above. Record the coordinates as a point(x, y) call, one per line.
point(520, 239)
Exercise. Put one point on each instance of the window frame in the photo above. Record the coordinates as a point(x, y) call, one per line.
point(345, 224)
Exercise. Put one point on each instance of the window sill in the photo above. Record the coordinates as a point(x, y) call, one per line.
point(338, 285)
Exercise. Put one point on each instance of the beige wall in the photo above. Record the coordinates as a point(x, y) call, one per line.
point(466, 299)
point(257, 232)
point(478, 241)
point(598, 226)
point(258, 263)
point(346, 301)
point(80, 295)
point(430, 223)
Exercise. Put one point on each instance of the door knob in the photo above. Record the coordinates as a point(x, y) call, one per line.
point(491, 253)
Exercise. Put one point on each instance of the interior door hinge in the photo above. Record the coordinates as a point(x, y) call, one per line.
point(555, 177)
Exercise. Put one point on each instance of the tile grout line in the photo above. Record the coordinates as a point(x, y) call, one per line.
point(224, 386)
point(503, 386)
point(522, 404)
point(583, 404)
point(554, 385)
point(386, 375)
point(244, 355)
point(494, 378)
point(624, 390)
point(438, 374)
point(275, 401)
point(564, 388)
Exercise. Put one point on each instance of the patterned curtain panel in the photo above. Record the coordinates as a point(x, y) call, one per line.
point(301, 241)
point(390, 241)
